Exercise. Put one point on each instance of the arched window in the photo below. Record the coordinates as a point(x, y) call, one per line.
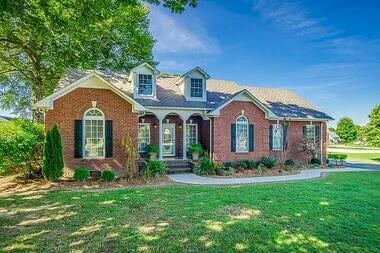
point(93, 140)
point(242, 134)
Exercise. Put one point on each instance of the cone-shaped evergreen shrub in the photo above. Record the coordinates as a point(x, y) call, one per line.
point(52, 167)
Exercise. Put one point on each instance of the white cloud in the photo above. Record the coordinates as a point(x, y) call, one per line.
point(175, 37)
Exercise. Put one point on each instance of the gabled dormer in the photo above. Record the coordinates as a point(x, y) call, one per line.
point(193, 84)
point(143, 79)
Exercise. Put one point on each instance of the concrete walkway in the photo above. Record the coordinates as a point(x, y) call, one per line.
point(191, 178)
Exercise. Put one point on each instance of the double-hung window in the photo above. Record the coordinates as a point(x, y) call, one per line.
point(93, 121)
point(143, 136)
point(145, 86)
point(241, 134)
point(310, 132)
point(196, 88)
point(278, 137)
point(191, 134)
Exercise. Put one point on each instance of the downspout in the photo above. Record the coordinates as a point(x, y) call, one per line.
point(211, 148)
point(321, 134)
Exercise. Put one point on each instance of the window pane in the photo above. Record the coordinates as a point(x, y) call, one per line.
point(196, 87)
point(242, 137)
point(191, 134)
point(143, 136)
point(94, 140)
point(277, 137)
point(145, 86)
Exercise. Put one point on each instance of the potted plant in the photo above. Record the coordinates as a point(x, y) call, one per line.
point(195, 150)
point(152, 150)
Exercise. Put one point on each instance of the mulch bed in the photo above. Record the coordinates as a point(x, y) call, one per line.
point(253, 173)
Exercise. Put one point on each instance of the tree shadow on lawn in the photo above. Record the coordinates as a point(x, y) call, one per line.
point(176, 219)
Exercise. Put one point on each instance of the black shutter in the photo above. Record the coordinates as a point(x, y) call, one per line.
point(251, 137)
point(78, 139)
point(304, 131)
point(271, 137)
point(109, 152)
point(233, 137)
point(285, 138)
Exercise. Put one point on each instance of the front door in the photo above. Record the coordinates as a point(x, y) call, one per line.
point(168, 139)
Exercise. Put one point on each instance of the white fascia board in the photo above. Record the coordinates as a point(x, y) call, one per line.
point(199, 69)
point(135, 69)
point(47, 102)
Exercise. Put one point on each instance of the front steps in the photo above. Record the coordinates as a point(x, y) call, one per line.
point(179, 166)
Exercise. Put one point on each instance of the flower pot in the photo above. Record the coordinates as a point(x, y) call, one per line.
point(152, 155)
point(195, 156)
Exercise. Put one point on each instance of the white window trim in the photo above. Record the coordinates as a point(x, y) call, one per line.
point(202, 88)
point(143, 124)
point(196, 132)
point(314, 130)
point(138, 84)
point(282, 137)
point(103, 118)
point(236, 131)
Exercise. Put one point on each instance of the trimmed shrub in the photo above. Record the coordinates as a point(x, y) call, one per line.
point(337, 158)
point(21, 145)
point(81, 174)
point(252, 164)
point(268, 162)
point(108, 175)
point(155, 167)
point(290, 162)
point(196, 149)
point(315, 160)
point(205, 166)
point(228, 165)
point(242, 164)
point(52, 167)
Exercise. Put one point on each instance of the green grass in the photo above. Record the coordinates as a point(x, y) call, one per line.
point(340, 213)
point(363, 158)
point(352, 146)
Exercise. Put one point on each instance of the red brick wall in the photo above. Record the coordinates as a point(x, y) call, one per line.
point(222, 134)
point(73, 105)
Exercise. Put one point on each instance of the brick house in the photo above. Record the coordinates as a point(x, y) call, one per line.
point(94, 110)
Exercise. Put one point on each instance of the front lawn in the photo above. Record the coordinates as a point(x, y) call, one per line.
point(340, 213)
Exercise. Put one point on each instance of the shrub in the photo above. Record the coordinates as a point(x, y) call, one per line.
point(337, 158)
point(205, 166)
point(268, 162)
point(260, 168)
point(229, 172)
point(108, 175)
point(290, 162)
point(252, 164)
point(154, 167)
point(152, 148)
point(196, 149)
point(228, 165)
point(21, 145)
point(242, 164)
point(315, 160)
point(52, 167)
point(81, 174)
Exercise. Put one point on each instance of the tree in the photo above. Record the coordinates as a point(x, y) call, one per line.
point(331, 129)
point(53, 165)
point(372, 130)
point(347, 130)
point(40, 40)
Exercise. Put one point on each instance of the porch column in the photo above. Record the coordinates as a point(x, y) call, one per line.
point(160, 157)
point(184, 148)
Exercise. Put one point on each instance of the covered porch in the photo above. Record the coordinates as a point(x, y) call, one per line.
point(173, 133)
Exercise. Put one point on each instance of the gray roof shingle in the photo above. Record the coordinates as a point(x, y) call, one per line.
point(282, 102)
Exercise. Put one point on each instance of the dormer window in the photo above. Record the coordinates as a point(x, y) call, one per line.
point(196, 88)
point(145, 86)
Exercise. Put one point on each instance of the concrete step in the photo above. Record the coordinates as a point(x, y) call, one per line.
point(179, 170)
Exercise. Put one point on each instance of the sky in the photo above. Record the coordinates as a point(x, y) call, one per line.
point(328, 52)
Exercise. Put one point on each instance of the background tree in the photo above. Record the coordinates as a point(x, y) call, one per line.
point(331, 129)
point(372, 130)
point(53, 165)
point(40, 40)
point(347, 130)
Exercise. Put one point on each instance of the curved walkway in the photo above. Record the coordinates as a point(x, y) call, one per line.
point(191, 178)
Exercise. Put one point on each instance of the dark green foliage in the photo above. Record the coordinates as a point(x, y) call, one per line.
point(52, 167)
point(228, 165)
point(196, 148)
point(81, 174)
point(155, 167)
point(315, 160)
point(268, 162)
point(152, 148)
point(242, 164)
point(371, 132)
point(337, 159)
point(205, 166)
point(108, 175)
point(21, 145)
point(347, 130)
point(260, 168)
point(290, 162)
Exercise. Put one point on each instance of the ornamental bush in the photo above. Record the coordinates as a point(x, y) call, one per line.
point(21, 145)
point(155, 167)
point(81, 174)
point(108, 175)
point(268, 162)
point(52, 167)
point(315, 160)
point(205, 166)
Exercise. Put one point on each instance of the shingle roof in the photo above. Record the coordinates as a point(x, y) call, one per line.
point(282, 102)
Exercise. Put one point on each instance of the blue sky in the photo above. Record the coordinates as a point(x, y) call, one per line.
point(326, 51)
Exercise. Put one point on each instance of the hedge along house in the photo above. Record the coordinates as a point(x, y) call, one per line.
point(94, 110)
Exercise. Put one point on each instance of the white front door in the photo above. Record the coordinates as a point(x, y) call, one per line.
point(168, 139)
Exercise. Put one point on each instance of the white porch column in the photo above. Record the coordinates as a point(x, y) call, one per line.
point(160, 157)
point(184, 144)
